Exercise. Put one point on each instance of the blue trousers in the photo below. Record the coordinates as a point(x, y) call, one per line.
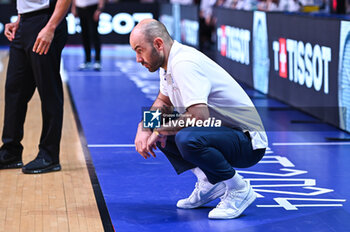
point(216, 151)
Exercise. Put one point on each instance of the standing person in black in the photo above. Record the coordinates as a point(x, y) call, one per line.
point(37, 39)
point(89, 13)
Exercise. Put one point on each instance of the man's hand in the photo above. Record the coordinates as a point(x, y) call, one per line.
point(43, 41)
point(97, 15)
point(163, 103)
point(141, 138)
point(10, 30)
point(153, 139)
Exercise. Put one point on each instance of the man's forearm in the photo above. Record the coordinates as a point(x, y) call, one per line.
point(18, 19)
point(59, 13)
point(176, 124)
point(101, 5)
point(163, 105)
point(188, 118)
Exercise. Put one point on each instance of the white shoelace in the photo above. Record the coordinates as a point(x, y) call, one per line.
point(196, 189)
point(225, 199)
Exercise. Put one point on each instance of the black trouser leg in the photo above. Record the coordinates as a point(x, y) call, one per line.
point(27, 70)
point(19, 89)
point(89, 30)
point(46, 69)
point(96, 39)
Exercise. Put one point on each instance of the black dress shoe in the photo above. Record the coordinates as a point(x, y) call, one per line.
point(9, 160)
point(40, 165)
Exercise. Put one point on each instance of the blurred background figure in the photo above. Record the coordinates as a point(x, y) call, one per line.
point(182, 2)
point(289, 5)
point(153, 1)
point(89, 12)
point(246, 5)
point(206, 25)
point(268, 5)
point(238, 4)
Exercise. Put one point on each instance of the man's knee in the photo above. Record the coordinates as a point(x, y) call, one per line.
point(188, 142)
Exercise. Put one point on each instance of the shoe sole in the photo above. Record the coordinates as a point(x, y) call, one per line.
point(52, 168)
point(11, 166)
point(241, 210)
point(215, 195)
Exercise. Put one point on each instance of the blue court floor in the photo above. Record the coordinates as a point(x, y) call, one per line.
point(302, 182)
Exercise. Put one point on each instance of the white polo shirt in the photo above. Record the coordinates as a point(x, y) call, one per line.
point(85, 3)
point(192, 78)
point(26, 6)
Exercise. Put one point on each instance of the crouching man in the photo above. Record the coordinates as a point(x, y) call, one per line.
point(200, 90)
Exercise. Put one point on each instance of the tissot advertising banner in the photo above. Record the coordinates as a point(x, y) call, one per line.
point(234, 43)
point(304, 54)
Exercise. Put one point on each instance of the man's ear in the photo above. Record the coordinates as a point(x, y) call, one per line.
point(158, 43)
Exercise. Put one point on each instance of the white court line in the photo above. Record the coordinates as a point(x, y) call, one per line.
point(111, 145)
point(63, 72)
point(312, 144)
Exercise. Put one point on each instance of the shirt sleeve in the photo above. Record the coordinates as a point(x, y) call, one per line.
point(193, 85)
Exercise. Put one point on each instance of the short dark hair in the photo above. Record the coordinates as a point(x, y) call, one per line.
point(156, 29)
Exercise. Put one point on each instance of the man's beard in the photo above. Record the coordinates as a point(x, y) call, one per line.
point(158, 60)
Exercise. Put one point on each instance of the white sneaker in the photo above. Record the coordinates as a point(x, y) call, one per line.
point(97, 66)
point(201, 195)
point(85, 66)
point(233, 203)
